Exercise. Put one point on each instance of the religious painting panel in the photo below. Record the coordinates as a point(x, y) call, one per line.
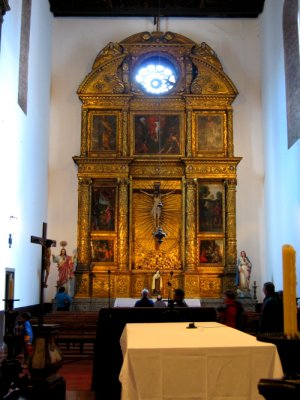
point(103, 250)
point(211, 207)
point(210, 133)
point(103, 137)
point(157, 134)
point(103, 208)
point(211, 251)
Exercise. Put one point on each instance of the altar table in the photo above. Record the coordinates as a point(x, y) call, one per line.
point(213, 362)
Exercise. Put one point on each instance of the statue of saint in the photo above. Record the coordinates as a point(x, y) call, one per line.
point(65, 265)
point(157, 282)
point(244, 267)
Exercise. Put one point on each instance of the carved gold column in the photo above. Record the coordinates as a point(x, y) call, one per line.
point(84, 130)
point(123, 225)
point(190, 248)
point(230, 148)
point(230, 266)
point(189, 150)
point(83, 221)
point(124, 133)
point(82, 271)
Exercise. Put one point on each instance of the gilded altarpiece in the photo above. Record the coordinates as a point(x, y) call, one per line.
point(156, 172)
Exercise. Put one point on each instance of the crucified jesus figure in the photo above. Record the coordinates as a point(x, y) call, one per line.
point(156, 210)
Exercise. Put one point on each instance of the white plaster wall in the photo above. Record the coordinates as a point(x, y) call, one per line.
point(282, 165)
point(76, 43)
point(24, 149)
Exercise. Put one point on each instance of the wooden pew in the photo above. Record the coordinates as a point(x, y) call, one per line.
point(76, 330)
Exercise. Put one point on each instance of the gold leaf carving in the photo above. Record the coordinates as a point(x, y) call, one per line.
point(110, 89)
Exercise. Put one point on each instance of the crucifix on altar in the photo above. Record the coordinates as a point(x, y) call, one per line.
point(45, 264)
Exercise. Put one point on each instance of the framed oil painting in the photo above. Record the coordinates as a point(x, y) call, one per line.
point(103, 250)
point(103, 133)
point(211, 251)
point(157, 134)
point(211, 206)
point(210, 133)
point(103, 208)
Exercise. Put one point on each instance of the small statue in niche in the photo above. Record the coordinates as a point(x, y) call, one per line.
point(157, 283)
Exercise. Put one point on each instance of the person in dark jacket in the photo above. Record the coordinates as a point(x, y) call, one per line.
point(144, 301)
point(272, 310)
point(179, 298)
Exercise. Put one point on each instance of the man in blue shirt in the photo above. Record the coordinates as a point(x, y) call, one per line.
point(62, 300)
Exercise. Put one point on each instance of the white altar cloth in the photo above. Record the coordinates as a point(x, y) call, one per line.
point(213, 362)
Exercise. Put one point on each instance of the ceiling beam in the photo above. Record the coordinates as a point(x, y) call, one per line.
point(163, 8)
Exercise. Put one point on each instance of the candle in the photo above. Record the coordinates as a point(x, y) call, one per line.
point(10, 288)
point(289, 291)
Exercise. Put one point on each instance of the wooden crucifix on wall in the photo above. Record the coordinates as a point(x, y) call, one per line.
point(45, 264)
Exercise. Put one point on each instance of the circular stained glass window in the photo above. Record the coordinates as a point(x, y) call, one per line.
point(156, 76)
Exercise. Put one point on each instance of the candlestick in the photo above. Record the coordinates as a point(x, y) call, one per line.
point(289, 291)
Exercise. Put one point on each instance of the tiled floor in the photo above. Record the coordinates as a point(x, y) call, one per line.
point(78, 374)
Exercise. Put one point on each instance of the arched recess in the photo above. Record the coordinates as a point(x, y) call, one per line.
point(139, 149)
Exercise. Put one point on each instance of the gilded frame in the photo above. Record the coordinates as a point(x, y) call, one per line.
point(157, 134)
point(210, 133)
point(103, 207)
point(211, 251)
point(103, 133)
point(211, 207)
point(103, 250)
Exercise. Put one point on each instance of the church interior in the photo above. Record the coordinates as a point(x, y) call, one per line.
point(146, 145)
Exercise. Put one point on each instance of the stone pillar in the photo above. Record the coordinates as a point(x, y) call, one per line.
point(191, 245)
point(123, 225)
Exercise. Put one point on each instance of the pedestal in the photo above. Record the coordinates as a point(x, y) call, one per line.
point(44, 363)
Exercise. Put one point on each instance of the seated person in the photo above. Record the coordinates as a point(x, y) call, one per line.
point(144, 301)
point(178, 298)
point(62, 300)
point(159, 303)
